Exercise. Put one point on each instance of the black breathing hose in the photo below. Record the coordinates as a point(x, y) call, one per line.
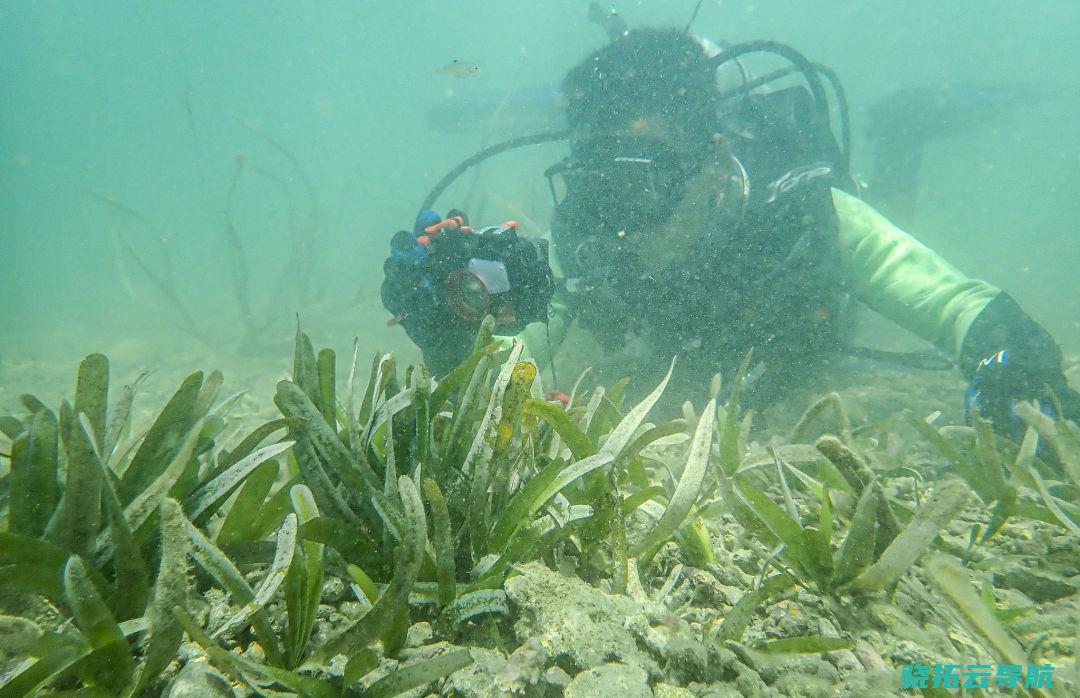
point(842, 110)
point(490, 151)
point(800, 61)
point(811, 72)
point(834, 81)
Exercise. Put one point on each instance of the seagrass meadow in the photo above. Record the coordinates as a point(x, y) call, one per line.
point(225, 470)
point(466, 537)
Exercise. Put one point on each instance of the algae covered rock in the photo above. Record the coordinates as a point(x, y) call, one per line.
point(478, 679)
point(802, 684)
point(610, 681)
point(1037, 585)
point(664, 690)
point(870, 683)
point(523, 668)
point(492, 675)
point(200, 680)
point(579, 626)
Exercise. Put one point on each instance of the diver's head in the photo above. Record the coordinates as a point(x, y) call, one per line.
point(646, 73)
point(644, 136)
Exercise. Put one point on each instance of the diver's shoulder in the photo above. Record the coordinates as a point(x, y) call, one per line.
point(860, 225)
point(855, 213)
point(847, 201)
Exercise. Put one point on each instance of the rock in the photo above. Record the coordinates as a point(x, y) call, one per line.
point(788, 619)
point(803, 675)
point(671, 641)
point(774, 669)
point(418, 634)
point(352, 609)
point(724, 664)
point(199, 680)
point(749, 683)
point(189, 652)
point(721, 690)
point(879, 685)
point(907, 652)
point(219, 609)
point(738, 662)
point(845, 661)
point(869, 657)
point(747, 562)
point(1018, 538)
point(328, 622)
point(579, 626)
point(557, 679)
point(18, 636)
point(663, 690)
point(1037, 585)
point(610, 681)
point(702, 589)
point(799, 685)
point(255, 653)
point(1062, 557)
point(333, 589)
point(476, 680)
point(523, 668)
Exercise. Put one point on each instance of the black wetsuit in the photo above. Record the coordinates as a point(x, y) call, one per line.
point(767, 276)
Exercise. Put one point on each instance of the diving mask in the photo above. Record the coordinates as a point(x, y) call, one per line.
point(619, 185)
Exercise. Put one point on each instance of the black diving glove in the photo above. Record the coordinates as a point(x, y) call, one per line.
point(1009, 358)
point(444, 277)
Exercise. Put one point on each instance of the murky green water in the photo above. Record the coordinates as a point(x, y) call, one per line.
point(179, 182)
point(326, 105)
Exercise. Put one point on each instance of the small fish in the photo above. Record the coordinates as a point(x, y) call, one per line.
point(459, 69)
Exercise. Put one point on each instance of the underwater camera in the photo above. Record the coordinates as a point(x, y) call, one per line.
point(470, 273)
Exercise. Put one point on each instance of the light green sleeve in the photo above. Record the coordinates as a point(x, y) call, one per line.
point(904, 280)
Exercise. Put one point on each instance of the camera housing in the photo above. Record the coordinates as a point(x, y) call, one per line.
point(443, 279)
point(491, 270)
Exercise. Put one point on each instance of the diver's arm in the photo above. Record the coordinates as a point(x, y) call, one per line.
point(1006, 355)
point(904, 280)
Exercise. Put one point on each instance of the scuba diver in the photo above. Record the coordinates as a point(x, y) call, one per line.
point(704, 212)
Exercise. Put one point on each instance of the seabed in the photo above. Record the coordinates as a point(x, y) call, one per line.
point(391, 534)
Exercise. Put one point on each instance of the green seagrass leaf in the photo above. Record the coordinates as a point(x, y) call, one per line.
point(558, 419)
point(947, 500)
point(164, 633)
point(236, 665)
point(34, 488)
point(92, 394)
point(857, 552)
point(325, 366)
point(687, 490)
point(206, 500)
point(372, 624)
point(163, 439)
point(419, 674)
point(78, 518)
point(620, 436)
point(443, 542)
point(112, 664)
